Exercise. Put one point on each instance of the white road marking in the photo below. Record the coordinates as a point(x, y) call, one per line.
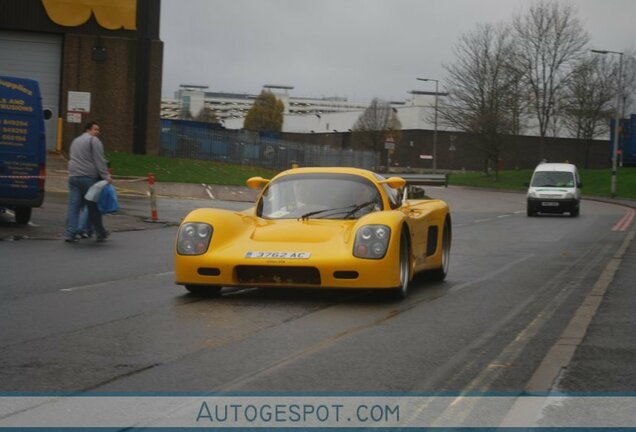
point(519, 211)
point(492, 274)
point(482, 220)
point(207, 189)
point(83, 287)
point(241, 290)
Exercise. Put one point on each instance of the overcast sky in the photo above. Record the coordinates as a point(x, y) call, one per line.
point(357, 49)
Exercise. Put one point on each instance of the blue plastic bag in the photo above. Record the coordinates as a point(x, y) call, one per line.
point(107, 202)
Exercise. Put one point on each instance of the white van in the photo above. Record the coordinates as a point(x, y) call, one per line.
point(554, 188)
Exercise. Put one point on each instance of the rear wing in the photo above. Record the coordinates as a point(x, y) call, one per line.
point(425, 179)
point(414, 181)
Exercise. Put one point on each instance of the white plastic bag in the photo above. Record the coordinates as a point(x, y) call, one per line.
point(94, 191)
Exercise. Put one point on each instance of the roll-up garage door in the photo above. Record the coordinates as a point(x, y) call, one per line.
point(36, 56)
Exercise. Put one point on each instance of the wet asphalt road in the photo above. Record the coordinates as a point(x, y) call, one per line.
point(108, 317)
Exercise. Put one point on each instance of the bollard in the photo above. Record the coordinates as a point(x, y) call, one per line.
point(58, 142)
point(153, 197)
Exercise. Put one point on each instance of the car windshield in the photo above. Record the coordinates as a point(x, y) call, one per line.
point(553, 179)
point(319, 196)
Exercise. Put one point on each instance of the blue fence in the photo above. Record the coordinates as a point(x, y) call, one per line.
point(196, 140)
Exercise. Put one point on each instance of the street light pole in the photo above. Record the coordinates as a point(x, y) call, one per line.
point(435, 130)
point(617, 114)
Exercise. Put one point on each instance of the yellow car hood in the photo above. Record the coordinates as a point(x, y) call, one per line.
point(247, 230)
point(291, 230)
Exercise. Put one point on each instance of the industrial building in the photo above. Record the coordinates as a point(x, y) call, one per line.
point(189, 100)
point(301, 115)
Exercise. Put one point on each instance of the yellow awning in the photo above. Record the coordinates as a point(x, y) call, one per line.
point(110, 14)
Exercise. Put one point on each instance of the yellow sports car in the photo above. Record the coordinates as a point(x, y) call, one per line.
point(316, 227)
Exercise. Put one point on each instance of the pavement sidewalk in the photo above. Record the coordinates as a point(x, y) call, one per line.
point(605, 360)
point(57, 181)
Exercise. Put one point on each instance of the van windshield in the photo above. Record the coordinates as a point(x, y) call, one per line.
point(553, 179)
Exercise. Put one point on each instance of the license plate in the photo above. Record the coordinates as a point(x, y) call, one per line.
point(278, 255)
point(550, 204)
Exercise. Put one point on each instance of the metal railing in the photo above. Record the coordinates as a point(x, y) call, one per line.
point(195, 140)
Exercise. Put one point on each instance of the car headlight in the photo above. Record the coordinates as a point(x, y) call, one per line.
point(194, 238)
point(372, 241)
point(532, 194)
point(569, 195)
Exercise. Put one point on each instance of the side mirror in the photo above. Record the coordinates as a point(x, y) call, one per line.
point(256, 182)
point(394, 182)
point(526, 184)
point(579, 185)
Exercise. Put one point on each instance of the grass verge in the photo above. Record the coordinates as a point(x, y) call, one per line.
point(595, 181)
point(167, 169)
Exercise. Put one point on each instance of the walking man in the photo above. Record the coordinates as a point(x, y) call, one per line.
point(87, 165)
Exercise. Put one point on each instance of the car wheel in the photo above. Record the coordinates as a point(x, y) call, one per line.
point(204, 290)
point(23, 215)
point(402, 291)
point(575, 212)
point(440, 273)
point(530, 211)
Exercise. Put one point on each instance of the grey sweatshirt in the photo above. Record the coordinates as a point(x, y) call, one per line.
point(87, 158)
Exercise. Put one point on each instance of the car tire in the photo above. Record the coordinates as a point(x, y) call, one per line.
point(402, 291)
point(530, 211)
point(575, 212)
point(440, 273)
point(22, 215)
point(204, 290)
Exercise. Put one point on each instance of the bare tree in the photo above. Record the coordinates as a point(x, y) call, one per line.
point(518, 97)
point(549, 41)
point(483, 91)
point(374, 125)
point(518, 103)
point(588, 97)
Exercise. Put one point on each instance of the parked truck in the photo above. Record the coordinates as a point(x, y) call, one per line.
point(22, 147)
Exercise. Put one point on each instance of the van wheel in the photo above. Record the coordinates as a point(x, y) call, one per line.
point(530, 211)
point(575, 212)
point(23, 215)
point(204, 290)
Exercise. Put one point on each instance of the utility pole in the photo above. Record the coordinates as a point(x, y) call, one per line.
point(617, 114)
point(435, 129)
